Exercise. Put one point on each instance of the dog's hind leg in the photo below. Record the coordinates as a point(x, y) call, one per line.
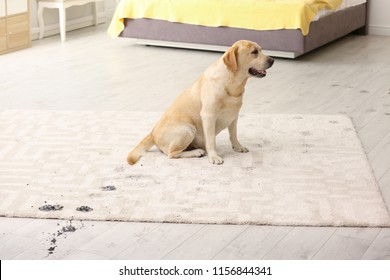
point(188, 154)
point(181, 140)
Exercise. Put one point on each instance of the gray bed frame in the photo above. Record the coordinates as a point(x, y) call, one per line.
point(289, 43)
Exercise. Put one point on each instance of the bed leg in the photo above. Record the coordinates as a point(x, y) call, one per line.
point(362, 30)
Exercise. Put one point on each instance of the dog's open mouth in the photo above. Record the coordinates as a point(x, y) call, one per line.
point(257, 73)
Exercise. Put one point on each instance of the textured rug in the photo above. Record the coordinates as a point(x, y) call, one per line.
point(301, 170)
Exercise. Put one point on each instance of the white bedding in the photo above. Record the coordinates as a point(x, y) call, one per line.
point(344, 5)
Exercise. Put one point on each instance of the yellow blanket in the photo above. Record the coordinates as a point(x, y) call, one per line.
point(248, 14)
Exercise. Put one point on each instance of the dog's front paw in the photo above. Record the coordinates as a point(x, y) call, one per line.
point(215, 159)
point(240, 149)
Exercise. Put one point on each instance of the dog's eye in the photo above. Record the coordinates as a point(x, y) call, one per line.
point(255, 52)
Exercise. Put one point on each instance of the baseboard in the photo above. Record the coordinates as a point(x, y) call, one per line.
point(53, 29)
point(379, 30)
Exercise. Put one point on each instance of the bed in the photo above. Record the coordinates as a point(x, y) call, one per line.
point(284, 28)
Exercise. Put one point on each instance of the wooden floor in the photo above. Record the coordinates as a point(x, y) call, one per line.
point(92, 72)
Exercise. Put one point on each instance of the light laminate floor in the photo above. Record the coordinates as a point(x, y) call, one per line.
point(92, 72)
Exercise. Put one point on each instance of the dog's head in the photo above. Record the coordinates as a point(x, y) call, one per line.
point(247, 57)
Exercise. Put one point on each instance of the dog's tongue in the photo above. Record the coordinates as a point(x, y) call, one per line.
point(257, 73)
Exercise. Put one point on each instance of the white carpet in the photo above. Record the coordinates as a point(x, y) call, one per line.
point(301, 170)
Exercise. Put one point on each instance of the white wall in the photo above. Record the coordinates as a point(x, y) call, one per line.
point(76, 17)
point(379, 17)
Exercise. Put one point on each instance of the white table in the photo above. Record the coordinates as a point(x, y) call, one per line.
point(61, 5)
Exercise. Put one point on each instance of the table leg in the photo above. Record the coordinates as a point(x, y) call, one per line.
point(41, 23)
point(62, 13)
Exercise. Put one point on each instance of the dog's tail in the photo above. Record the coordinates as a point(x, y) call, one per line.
point(140, 149)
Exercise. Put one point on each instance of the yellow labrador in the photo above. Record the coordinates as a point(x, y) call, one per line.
point(189, 127)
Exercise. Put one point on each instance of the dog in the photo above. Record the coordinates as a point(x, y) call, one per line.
point(189, 127)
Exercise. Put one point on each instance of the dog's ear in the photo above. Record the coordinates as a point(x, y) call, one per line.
point(230, 59)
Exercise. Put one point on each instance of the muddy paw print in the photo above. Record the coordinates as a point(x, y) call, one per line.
point(49, 207)
point(84, 209)
point(108, 188)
